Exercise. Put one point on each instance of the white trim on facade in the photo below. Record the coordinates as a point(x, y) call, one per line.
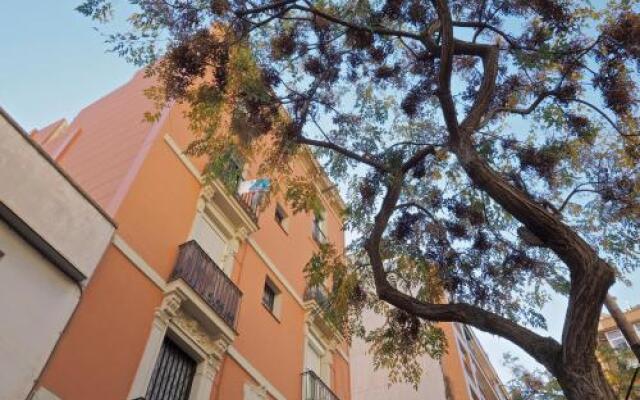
point(254, 373)
point(43, 394)
point(137, 260)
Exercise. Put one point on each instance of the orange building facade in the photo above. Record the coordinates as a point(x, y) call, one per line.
point(199, 296)
point(467, 370)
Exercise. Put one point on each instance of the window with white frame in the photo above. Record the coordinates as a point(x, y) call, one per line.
point(212, 242)
point(319, 227)
point(616, 339)
point(316, 359)
point(271, 297)
point(281, 217)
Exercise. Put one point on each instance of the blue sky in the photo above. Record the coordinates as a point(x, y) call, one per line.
point(53, 64)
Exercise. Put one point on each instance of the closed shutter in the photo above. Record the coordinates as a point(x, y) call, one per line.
point(211, 242)
point(172, 375)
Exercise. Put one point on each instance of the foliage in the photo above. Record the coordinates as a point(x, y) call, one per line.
point(527, 384)
point(489, 149)
point(619, 367)
point(531, 385)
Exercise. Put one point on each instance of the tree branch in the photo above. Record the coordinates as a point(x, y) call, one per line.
point(543, 349)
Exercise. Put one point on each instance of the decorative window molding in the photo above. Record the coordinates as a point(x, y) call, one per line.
point(205, 343)
point(318, 354)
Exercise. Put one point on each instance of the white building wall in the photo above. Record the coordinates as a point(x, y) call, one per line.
point(48, 203)
point(51, 240)
point(36, 300)
point(369, 384)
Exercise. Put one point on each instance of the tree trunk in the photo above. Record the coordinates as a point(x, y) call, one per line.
point(585, 382)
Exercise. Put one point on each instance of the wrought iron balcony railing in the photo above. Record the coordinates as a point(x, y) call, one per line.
point(204, 276)
point(317, 293)
point(315, 389)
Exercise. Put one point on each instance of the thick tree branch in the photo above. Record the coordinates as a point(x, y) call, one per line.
point(544, 350)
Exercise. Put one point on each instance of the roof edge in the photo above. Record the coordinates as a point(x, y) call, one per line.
point(55, 165)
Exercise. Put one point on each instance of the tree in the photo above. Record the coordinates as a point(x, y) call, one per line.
point(490, 150)
point(528, 384)
point(531, 385)
point(620, 366)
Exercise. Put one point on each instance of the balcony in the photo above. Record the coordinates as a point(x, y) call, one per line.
point(315, 389)
point(207, 279)
point(318, 294)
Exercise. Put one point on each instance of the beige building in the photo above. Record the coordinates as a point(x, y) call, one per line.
point(464, 373)
point(467, 368)
point(52, 237)
point(370, 384)
point(609, 332)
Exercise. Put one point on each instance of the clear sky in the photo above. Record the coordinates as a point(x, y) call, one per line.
point(52, 64)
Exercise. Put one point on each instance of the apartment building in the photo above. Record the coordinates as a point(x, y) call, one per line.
point(367, 383)
point(620, 364)
point(463, 373)
point(608, 332)
point(52, 237)
point(468, 372)
point(200, 295)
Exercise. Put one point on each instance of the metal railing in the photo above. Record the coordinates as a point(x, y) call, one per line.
point(251, 203)
point(315, 389)
point(317, 293)
point(204, 276)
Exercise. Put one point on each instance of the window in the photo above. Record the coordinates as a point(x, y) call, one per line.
point(318, 230)
point(270, 297)
point(172, 375)
point(282, 218)
point(616, 339)
point(213, 242)
point(316, 359)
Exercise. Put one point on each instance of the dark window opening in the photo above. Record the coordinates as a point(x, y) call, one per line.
point(172, 375)
point(318, 229)
point(269, 296)
point(281, 217)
